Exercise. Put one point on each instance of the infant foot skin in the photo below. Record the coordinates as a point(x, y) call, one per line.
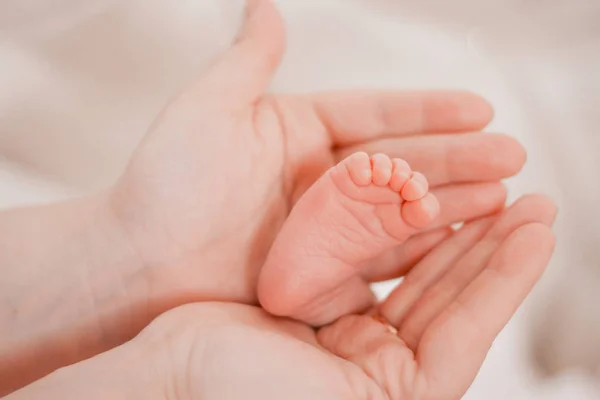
point(357, 210)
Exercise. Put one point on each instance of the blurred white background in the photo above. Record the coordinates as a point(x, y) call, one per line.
point(80, 80)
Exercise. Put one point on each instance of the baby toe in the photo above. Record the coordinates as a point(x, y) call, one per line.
point(421, 213)
point(359, 168)
point(382, 169)
point(416, 188)
point(401, 173)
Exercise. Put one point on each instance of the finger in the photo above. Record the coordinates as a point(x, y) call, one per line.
point(468, 201)
point(458, 203)
point(441, 294)
point(465, 331)
point(376, 351)
point(244, 72)
point(398, 261)
point(349, 335)
point(431, 269)
point(443, 159)
point(356, 117)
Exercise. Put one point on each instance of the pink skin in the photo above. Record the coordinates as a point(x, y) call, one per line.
point(218, 351)
point(207, 247)
point(356, 211)
point(206, 192)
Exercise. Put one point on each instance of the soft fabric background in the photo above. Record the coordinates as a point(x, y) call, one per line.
point(80, 80)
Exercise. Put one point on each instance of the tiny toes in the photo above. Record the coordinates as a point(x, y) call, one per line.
point(422, 212)
point(382, 169)
point(359, 168)
point(401, 173)
point(415, 188)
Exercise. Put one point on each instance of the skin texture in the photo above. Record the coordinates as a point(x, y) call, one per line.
point(357, 210)
point(229, 351)
point(206, 192)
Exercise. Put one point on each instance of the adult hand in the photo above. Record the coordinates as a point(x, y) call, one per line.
point(448, 312)
point(212, 182)
point(206, 192)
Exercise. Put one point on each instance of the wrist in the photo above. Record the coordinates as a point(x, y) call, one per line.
point(117, 374)
point(80, 292)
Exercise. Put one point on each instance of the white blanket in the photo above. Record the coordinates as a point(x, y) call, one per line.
point(80, 80)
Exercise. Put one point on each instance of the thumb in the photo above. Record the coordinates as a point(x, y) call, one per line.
point(244, 72)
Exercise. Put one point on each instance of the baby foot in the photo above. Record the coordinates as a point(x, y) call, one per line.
point(357, 210)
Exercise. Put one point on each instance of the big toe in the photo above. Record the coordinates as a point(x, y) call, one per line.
point(421, 213)
point(416, 188)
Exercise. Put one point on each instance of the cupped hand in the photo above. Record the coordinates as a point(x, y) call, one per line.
point(215, 177)
point(447, 314)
